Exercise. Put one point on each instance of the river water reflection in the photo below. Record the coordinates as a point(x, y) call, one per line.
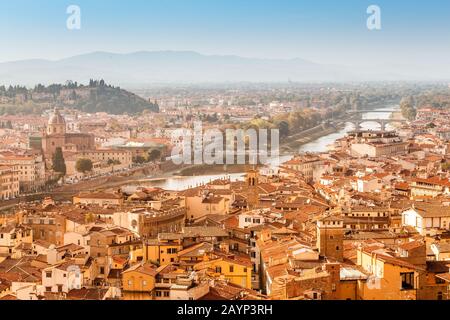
point(321, 144)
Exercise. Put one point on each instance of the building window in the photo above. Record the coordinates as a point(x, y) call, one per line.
point(144, 283)
point(218, 270)
point(439, 295)
point(48, 274)
point(231, 268)
point(439, 280)
point(166, 294)
point(407, 280)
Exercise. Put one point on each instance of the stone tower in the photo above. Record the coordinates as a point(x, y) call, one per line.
point(330, 237)
point(252, 178)
point(252, 190)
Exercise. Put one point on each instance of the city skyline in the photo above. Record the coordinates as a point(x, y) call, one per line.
point(229, 153)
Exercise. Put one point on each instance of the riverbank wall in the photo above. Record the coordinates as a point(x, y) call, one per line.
point(292, 143)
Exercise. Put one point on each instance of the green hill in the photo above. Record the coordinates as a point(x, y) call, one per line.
point(95, 97)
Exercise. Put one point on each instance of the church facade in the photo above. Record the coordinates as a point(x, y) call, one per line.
point(56, 136)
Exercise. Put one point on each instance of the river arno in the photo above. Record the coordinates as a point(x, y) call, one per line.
point(319, 145)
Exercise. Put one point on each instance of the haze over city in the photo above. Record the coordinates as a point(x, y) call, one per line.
point(332, 35)
point(224, 157)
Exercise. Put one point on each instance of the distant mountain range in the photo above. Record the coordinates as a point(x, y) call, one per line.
point(143, 68)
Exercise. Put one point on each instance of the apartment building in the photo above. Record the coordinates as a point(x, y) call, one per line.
point(11, 237)
point(376, 144)
point(9, 183)
point(427, 218)
point(30, 170)
point(122, 158)
point(311, 167)
point(433, 187)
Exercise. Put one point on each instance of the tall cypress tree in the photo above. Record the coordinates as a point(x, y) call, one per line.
point(59, 165)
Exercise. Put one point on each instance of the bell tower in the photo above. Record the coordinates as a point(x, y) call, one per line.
point(252, 178)
point(251, 192)
point(330, 237)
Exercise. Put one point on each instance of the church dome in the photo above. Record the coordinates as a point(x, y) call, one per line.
point(56, 118)
point(56, 123)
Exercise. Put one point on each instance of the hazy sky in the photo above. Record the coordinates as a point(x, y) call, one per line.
point(324, 31)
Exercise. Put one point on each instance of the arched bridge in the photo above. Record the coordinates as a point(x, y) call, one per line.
point(357, 119)
point(381, 122)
